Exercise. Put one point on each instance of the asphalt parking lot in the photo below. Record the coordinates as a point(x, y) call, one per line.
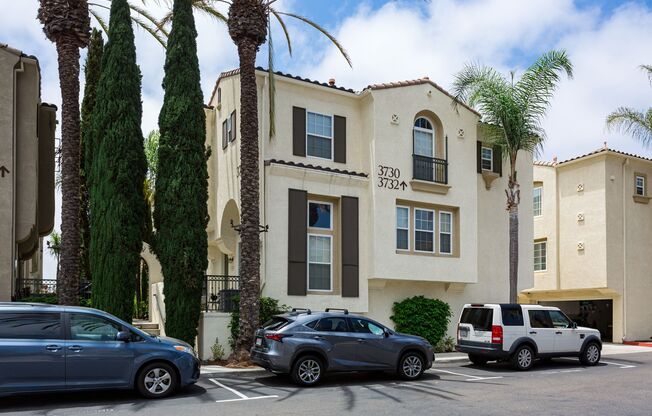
point(620, 385)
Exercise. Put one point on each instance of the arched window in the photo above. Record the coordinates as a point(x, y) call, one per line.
point(424, 137)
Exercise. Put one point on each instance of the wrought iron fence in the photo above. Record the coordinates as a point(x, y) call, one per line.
point(430, 169)
point(219, 291)
point(44, 287)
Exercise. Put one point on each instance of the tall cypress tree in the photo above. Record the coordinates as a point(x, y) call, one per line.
point(117, 171)
point(180, 211)
point(92, 72)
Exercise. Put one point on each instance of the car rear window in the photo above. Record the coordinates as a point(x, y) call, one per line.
point(480, 318)
point(275, 323)
point(30, 326)
point(512, 315)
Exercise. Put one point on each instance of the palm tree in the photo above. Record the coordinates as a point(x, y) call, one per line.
point(512, 112)
point(636, 123)
point(67, 24)
point(54, 249)
point(139, 16)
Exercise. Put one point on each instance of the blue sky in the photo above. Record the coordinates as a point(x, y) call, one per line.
point(405, 39)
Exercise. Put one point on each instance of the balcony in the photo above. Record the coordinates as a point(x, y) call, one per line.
point(219, 293)
point(430, 169)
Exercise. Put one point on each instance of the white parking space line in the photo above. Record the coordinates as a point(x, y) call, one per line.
point(620, 365)
point(468, 376)
point(237, 393)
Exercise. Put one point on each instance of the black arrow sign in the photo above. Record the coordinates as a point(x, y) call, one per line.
point(403, 185)
point(3, 170)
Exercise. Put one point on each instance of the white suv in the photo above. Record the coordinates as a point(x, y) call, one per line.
point(521, 333)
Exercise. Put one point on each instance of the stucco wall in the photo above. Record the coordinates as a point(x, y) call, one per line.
point(545, 226)
point(213, 327)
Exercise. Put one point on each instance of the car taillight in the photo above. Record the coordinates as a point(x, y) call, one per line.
point(458, 332)
point(277, 337)
point(496, 334)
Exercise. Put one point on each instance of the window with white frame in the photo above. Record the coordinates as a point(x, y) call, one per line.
point(319, 135)
point(445, 232)
point(424, 230)
point(424, 137)
point(640, 185)
point(320, 246)
point(487, 158)
point(536, 200)
point(402, 228)
point(540, 256)
point(320, 259)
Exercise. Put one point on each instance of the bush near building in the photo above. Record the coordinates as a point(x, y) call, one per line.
point(268, 308)
point(428, 318)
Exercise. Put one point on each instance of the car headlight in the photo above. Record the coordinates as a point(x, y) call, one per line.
point(183, 348)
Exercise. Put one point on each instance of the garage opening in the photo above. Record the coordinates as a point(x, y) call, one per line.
point(596, 314)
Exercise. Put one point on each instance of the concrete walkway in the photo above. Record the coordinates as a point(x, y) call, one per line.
point(607, 350)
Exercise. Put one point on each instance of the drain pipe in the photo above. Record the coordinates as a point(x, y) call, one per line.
point(624, 297)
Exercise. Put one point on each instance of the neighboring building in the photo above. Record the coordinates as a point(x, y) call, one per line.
point(593, 241)
point(370, 197)
point(27, 129)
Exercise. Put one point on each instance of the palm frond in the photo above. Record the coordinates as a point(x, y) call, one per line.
point(99, 20)
point(149, 17)
point(149, 29)
point(648, 69)
point(207, 8)
point(635, 123)
point(323, 31)
point(283, 26)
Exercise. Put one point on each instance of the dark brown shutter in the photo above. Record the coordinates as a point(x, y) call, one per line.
point(498, 160)
point(350, 247)
point(298, 131)
point(479, 156)
point(225, 140)
point(233, 127)
point(340, 139)
point(297, 242)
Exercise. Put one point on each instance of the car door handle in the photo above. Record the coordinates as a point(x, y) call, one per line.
point(533, 332)
point(319, 337)
point(558, 332)
point(75, 348)
point(53, 348)
point(362, 341)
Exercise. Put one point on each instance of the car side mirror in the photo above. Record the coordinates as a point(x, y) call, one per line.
point(124, 336)
point(386, 333)
point(574, 325)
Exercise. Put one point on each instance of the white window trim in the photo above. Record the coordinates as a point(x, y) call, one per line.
point(482, 158)
point(424, 130)
point(540, 188)
point(434, 243)
point(331, 214)
point(331, 137)
point(330, 239)
point(636, 186)
point(545, 243)
point(396, 227)
point(448, 233)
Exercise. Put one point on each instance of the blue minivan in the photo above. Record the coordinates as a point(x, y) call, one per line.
point(49, 348)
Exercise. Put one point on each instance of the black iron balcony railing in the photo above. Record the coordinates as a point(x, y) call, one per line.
point(43, 287)
point(430, 169)
point(219, 291)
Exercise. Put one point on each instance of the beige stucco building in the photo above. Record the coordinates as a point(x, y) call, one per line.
point(370, 197)
point(593, 239)
point(27, 129)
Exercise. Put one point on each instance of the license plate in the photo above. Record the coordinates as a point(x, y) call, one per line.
point(259, 342)
point(464, 332)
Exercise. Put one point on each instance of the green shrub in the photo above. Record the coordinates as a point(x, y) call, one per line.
point(445, 345)
point(268, 308)
point(217, 350)
point(49, 299)
point(428, 318)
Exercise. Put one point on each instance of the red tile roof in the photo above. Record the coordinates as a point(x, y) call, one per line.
point(603, 149)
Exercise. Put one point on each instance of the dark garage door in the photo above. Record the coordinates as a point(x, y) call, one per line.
point(596, 314)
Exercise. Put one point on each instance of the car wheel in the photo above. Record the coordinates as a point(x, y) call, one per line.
point(523, 358)
point(307, 371)
point(157, 380)
point(477, 359)
point(411, 366)
point(591, 354)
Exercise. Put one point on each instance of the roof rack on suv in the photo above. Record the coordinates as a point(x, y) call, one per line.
point(346, 311)
point(302, 310)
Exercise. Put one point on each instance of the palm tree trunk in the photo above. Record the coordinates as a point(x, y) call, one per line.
point(513, 199)
point(249, 201)
point(68, 285)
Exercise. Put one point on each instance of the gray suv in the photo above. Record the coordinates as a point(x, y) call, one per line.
point(306, 345)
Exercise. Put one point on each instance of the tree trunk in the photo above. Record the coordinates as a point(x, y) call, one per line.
point(68, 284)
point(513, 199)
point(249, 201)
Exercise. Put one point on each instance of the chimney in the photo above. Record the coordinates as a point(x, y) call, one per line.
point(331, 82)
